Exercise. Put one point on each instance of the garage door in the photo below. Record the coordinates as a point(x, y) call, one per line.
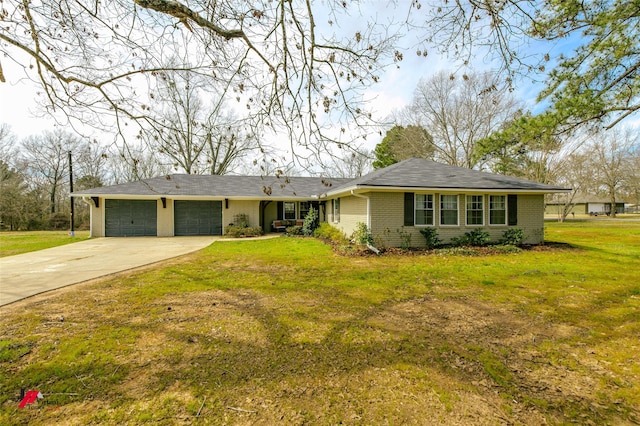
point(131, 218)
point(197, 217)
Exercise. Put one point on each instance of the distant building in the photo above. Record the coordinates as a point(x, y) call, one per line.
point(592, 206)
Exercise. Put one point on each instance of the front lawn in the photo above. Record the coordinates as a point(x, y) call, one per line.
point(22, 242)
point(284, 331)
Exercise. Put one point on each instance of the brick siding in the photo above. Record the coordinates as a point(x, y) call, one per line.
point(387, 220)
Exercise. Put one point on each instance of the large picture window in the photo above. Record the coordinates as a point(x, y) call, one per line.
point(424, 209)
point(475, 210)
point(448, 210)
point(497, 210)
point(289, 210)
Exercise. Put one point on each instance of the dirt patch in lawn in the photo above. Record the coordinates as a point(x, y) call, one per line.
point(488, 250)
point(245, 357)
point(502, 353)
point(239, 341)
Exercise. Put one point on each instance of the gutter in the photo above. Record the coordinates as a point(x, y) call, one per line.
point(448, 190)
point(368, 206)
point(89, 202)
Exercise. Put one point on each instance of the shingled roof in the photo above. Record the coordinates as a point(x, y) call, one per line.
point(417, 173)
point(409, 174)
point(222, 186)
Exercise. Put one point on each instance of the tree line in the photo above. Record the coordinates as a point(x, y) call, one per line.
point(34, 178)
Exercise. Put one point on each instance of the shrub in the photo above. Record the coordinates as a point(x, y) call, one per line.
point(513, 237)
point(240, 227)
point(379, 241)
point(59, 221)
point(405, 238)
point(330, 233)
point(241, 220)
point(361, 235)
point(294, 230)
point(246, 231)
point(508, 249)
point(431, 236)
point(34, 224)
point(457, 251)
point(382, 240)
point(476, 238)
point(310, 222)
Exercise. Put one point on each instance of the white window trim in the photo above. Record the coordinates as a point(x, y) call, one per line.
point(284, 210)
point(299, 209)
point(433, 210)
point(466, 211)
point(457, 224)
point(336, 207)
point(506, 210)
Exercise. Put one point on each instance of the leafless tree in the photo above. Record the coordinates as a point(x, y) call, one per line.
point(180, 135)
point(612, 161)
point(226, 147)
point(12, 186)
point(276, 60)
point(46, 157)
point(130, 164)
point(632, 183)
point(197, 136)
point(15, 201)
point(90, 161)
point(352, 164)
point(600, 163)
point(459, 111)
point(465, 28)
point(7, 142)
point(574, 173)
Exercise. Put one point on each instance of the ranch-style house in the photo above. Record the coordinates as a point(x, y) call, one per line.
point(393, 202)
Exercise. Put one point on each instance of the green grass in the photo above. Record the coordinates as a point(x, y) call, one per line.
point(284, 331)
point(12, 243)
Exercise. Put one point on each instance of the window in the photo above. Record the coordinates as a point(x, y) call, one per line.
point(289, 210)
point(497, 210)
point(475, 209)
point(424, 209)
point(336, 210)
point(304, 209)
point(448, 210)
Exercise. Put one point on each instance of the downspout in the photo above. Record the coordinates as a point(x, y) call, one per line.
point(368, 206)
point(369, 246)
point(91, 205)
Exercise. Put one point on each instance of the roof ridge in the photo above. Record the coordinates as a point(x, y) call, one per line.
point(383, 171)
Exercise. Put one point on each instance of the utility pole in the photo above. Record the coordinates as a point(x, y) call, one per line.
point(72, 233)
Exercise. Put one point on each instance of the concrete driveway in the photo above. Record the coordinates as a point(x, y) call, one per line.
point(33, 273)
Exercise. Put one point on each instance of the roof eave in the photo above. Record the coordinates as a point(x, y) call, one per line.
point(382, 188)
point(198, 197)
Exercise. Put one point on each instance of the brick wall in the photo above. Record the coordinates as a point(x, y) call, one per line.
point(531, 217)
point(250, 208)
point(352, 210)
point(387, 220)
